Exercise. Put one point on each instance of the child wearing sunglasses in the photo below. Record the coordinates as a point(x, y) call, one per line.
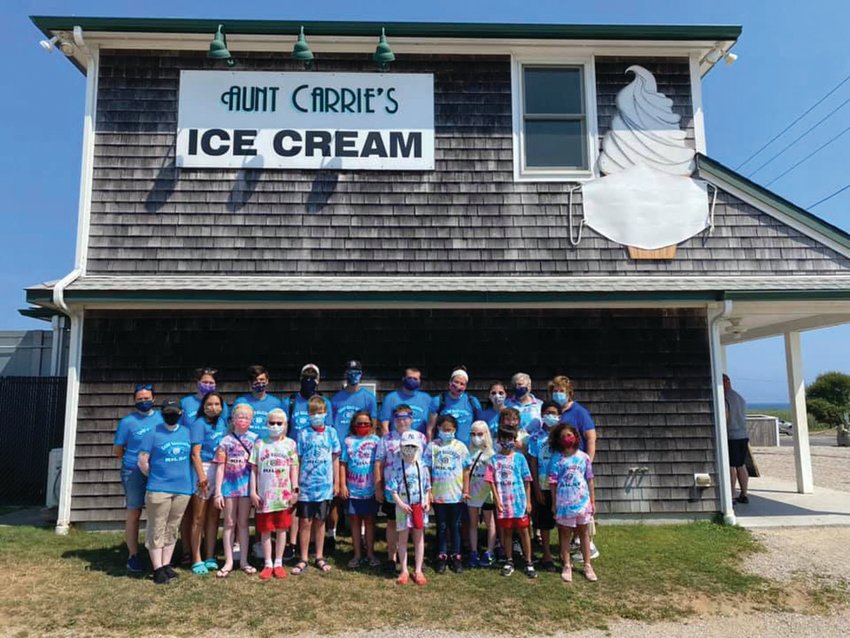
point(274, 489)
point(359, 475)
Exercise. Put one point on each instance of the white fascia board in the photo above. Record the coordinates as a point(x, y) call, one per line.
point(814, 322)
point(360, 44)
point(696, 103)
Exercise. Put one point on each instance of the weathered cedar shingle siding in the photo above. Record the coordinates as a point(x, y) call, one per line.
point(643, 374)
point(466, 216)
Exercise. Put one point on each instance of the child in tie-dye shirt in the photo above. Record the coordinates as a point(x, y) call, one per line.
point(232, 483)
point(480, 499)
point(448, 460)
point(510, 482)
point(359, 472)
point(571, 477)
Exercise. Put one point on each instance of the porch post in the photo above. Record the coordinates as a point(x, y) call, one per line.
point(69, 440)
point(797, 399)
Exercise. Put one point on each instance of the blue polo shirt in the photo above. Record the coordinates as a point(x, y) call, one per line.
point(346, 404)
point(170, 460)
point(131, 431)
point(419, 402)
point(262, 407)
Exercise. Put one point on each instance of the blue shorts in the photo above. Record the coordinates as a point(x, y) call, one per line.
point(135, 483)
point(364, 507)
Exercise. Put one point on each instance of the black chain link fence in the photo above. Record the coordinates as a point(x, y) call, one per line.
point(32, 415)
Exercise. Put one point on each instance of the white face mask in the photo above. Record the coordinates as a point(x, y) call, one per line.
point(276, 431)
point(477, 440)
point(408, 453)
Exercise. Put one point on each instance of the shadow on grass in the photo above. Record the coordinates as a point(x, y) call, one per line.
point(111, 561)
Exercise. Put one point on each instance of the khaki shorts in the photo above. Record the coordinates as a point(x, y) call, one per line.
point(164, 514)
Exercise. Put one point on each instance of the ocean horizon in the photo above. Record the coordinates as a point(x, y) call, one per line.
point(768, 406)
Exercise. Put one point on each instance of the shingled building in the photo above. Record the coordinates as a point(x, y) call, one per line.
point(433, 212)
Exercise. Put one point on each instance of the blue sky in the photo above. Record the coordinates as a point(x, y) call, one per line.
point(791, 53)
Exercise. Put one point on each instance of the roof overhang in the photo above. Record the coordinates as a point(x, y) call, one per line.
point(406, 37)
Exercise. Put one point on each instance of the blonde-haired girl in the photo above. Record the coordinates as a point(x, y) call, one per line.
point(480, 497)
point(232, 485)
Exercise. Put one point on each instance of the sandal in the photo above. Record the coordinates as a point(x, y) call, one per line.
point(322, 565)
point(200, 569)
point(354, 563)
point(374, 561)
point(211, 564)
point(248, 569)
point(299, 568)
point(222, 573)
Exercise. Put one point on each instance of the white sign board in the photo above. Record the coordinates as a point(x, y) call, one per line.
point(254, 119)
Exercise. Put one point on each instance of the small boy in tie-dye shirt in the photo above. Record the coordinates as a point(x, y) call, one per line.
point(510, 480)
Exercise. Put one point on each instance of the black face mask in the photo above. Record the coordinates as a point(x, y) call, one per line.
point(171, 418)
point(308, 387)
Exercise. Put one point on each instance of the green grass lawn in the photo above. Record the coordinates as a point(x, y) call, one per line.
point(77, 583)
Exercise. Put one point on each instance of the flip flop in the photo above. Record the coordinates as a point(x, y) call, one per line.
point(248, 569)
point(299, 568)
point(222, 573)
point(200, 569)
point(322, 565)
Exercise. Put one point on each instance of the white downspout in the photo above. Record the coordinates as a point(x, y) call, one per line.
point(76, 315)
point(721, 440)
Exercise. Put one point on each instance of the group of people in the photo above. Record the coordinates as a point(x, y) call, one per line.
point(305, 461)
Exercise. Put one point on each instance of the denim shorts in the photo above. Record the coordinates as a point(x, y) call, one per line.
point(134, 483)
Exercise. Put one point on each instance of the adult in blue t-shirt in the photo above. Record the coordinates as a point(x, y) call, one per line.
point(352, 399)
point(490, 414)
point(296, 407)
point(408, 394)
point(464, 407)
point(131, 431)
point(578, 416)
point(165, 457)
point(260, 400)
point(205, 379)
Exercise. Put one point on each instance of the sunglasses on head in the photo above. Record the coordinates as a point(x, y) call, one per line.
point(144, 386)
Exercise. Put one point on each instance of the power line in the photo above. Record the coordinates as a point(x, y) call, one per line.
point(797, 139)
point(814, 152)
point(800, 117)
point(830, 196)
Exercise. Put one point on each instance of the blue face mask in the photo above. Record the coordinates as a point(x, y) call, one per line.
point(259, 388)
point(446, 437)
point(410, 384)
point(507, 445)
point(520, 391)
point(550, 420)
point(317, 420)
point(559, 397)
point(353, 377)
point(144, 406)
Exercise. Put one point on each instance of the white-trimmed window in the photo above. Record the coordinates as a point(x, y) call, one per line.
point(554, 119)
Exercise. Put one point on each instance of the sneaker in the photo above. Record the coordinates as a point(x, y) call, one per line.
point(266, 573)
point(134, 564)
point(169, 571)
point(457, 564)
point(743, 499)
point(441, 565)
point(530, 571)
point(160, 577)
point(473, 562)
point(578, 558)
point(508, 568)
point(486, 560)
point(279, 572)
point(289, 553)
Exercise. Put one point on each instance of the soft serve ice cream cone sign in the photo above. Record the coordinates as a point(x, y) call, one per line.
point(647, 200)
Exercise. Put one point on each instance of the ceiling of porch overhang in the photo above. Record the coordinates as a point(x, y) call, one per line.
point(751, 320)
